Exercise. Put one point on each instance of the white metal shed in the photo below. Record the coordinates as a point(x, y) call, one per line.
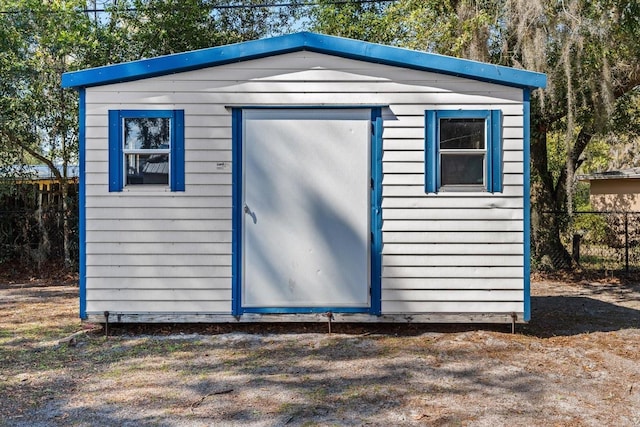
point(287, 178)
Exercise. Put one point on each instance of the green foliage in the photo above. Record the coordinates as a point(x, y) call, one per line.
point(352, 19)
point(597, 156)
point(135, 29)
point(39, 41)
point(42, 40)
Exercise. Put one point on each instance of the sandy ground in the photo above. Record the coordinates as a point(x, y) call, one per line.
point(575, 364)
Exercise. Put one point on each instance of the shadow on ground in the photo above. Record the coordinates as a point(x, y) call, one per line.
point(572, 315)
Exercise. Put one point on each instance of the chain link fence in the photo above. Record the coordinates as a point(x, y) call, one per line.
point(32, 232)
point(602, 240)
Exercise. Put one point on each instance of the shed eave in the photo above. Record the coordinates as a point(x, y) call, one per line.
point(331, 45)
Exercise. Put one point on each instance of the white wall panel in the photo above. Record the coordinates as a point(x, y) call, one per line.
point(408, 306)
point(176, 238)
point(443, 285)
point(169, 283)
point(453, 249)
point(447, 236)
point(157, 244)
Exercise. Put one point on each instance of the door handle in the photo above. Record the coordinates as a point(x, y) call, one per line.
point(247, 211)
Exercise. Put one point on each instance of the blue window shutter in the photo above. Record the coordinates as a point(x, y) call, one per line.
point(177, 152)
point(431, 152)
point(496, 151)
point(115, 152)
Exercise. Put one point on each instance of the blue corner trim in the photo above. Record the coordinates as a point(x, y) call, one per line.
point(376, 212)
point(82, 221)
point(236, 177)
point(331, 45)
point(527, 201)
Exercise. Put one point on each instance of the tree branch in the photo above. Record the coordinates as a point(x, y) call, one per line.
point(26, 147)
point(582, 140)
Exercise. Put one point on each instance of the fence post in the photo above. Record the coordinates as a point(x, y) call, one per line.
point(626, 242)
point(575, 250)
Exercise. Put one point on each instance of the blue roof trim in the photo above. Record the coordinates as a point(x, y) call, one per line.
point(331, 45)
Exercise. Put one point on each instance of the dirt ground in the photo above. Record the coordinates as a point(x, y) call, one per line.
point(575, 364)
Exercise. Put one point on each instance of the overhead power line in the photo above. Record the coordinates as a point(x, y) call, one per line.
point(226, 6)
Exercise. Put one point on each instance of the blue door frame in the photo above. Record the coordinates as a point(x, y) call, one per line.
point(375, 219)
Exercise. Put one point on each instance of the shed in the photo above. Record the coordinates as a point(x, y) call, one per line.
point(289, 178)
point(615, 190)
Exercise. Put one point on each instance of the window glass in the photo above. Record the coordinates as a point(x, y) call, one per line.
point(147, 133)
point(146, 150)
point(147, 169)
point(462, 134)
point(462, 151)
point(462, 169)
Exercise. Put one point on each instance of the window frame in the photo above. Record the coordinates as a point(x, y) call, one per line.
point(117, 152)
point(492, 163)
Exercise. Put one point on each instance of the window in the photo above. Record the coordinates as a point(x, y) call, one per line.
point(146, 148)
point(463, 150)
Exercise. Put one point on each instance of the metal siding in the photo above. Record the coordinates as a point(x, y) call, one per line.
point(414, 224)
point(138, 306)
point(468, 307)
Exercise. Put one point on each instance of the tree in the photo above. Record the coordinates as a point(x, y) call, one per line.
point(588, 49)
point(41, 40)
point(352, 19)
point(589, 53)
point(135, 29)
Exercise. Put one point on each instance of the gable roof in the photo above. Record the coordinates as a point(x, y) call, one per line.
point(338, 46)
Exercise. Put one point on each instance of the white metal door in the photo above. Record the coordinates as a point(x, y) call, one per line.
point(306, 208)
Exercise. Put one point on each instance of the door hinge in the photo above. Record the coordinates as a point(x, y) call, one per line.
point(371, 183)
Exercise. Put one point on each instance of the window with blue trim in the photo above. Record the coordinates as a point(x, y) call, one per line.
point(463, 150)
point(146, 148)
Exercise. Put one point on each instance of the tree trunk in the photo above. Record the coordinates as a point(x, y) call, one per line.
point(548, 217)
